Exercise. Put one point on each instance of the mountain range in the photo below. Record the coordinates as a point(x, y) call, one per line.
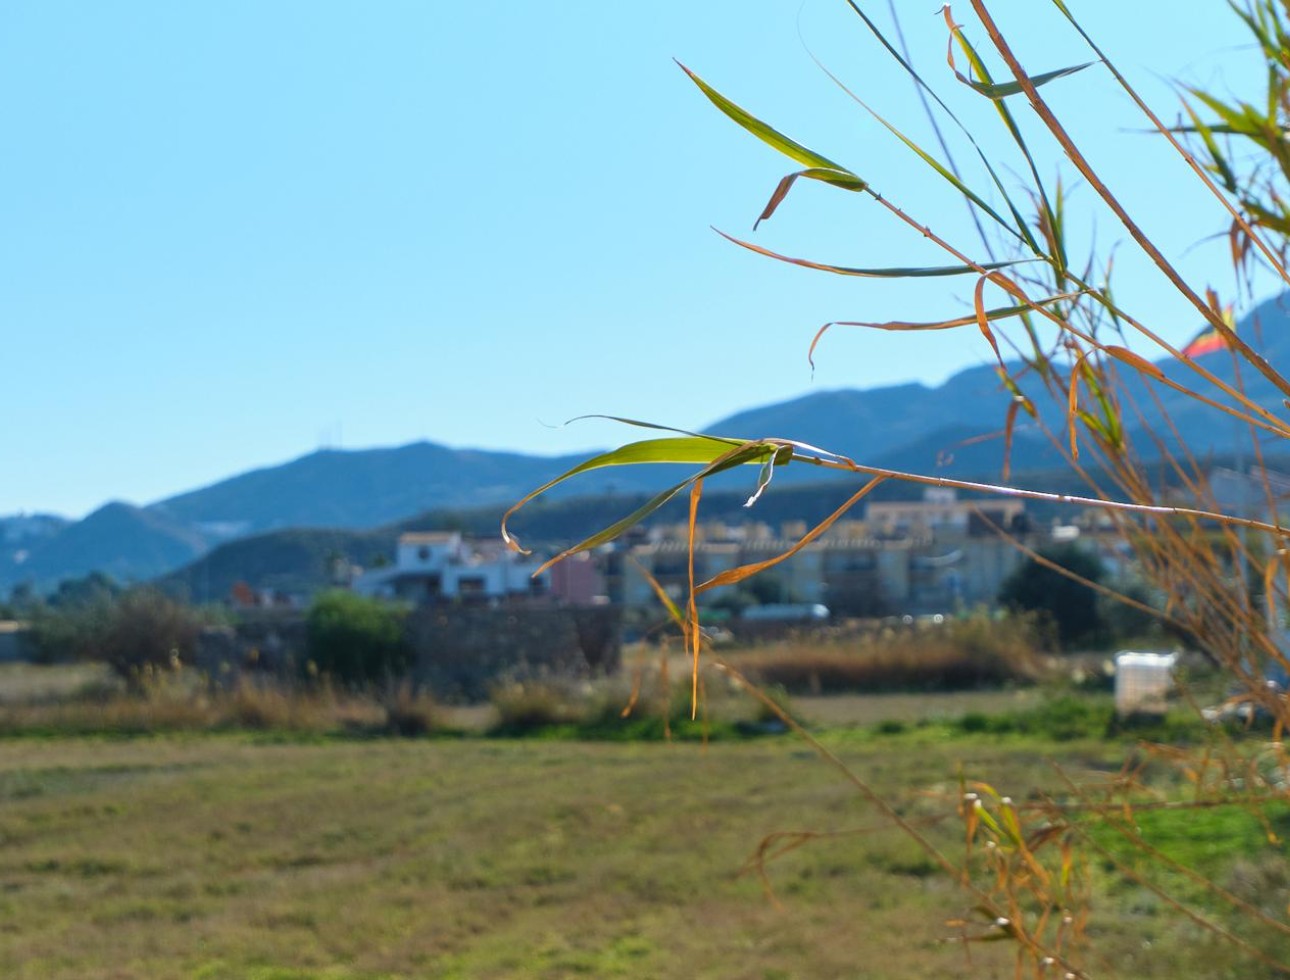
point(950, 429)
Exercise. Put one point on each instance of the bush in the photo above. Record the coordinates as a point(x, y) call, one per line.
point(523, 708)
point(355, 640)
point(137, 633)
point(410, 713)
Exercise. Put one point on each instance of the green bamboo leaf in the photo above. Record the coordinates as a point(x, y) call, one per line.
point(1277, 222)
point(1216, 156)
point(905, 272)
point(689, 449)
point(1047, 215)
point(1022, 230)
point(1243, 123)
point(1001, 313)
point(1002, 90)
point(774, 138)
point(738, 455)
point(1221, 128)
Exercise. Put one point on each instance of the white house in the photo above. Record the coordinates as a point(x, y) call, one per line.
point(440, 565)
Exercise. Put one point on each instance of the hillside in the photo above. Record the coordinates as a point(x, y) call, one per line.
point(953, 429)
point(299, 560)
point(360, 488)
point(128, 543)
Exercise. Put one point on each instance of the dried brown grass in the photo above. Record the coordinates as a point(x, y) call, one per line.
point(968, 654)
point(183, 704)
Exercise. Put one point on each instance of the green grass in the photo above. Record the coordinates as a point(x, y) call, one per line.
point(219, 856)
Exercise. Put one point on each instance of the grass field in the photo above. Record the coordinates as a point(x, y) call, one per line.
point(229, 857)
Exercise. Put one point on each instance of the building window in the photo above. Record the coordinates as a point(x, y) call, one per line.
point(472, 586)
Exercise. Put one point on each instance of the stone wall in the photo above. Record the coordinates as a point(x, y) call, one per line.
point(458, 652)
point(262, 645)
point(461, 652)
point(15, 642)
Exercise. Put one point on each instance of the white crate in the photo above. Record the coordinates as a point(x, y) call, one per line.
point(1142, 682)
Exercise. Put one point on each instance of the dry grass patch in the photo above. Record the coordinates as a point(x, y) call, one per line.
point(184, 703)
point(973, 653)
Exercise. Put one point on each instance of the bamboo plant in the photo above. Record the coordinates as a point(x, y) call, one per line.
point(1059, 336)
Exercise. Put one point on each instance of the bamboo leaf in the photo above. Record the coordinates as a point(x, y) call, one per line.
point(1022, 230)
point(1048, 219)
point(733, 575)
point(781, 457)
point(748, 452)
point(1244, 123)
point(1136, 361)
point(835, 177)
point(983, 319)
point(1002, 90)
point(773, 137)
point(664, 599)
point(962, 321)
point(708, 450)
point(1010, 423)
point(906, 272)
point(1072, 409)
point(618, 527)
point(1216, 156)
point(1017, 394)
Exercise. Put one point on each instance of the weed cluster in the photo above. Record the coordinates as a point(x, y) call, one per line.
point(613, 711)
point(181, 703)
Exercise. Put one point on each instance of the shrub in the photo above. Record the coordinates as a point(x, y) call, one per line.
point(410, 713)
point(355, 640)
point(137, 633)
point(523, 708)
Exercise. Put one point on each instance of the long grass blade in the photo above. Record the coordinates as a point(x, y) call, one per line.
point(1048, 218)
point(1000, 313)
point(840, 175)
point(903, 272)
point(1002, 90)
point(1022, 229)
point(1022, 232)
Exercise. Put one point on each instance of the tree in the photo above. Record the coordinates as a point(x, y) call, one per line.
point(356, 640)
point(1071, 606)
point(136, 632)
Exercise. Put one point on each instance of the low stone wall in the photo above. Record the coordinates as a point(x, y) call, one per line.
point(460, 653)
point(265, 646)
point(15, 642)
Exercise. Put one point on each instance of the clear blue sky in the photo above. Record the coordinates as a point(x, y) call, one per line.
point(232, 232)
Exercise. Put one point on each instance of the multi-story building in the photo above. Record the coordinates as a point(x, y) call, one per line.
point(933, 555)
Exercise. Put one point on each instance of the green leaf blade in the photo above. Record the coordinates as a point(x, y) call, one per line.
point(1001, 90)
point(768, 134)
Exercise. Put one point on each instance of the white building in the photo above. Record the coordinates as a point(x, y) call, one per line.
point(441, 566)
